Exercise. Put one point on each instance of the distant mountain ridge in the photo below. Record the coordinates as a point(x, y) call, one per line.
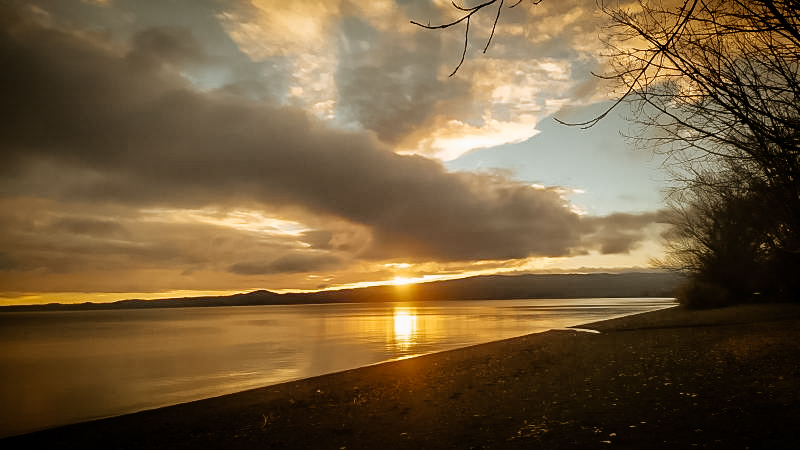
point(488, 287)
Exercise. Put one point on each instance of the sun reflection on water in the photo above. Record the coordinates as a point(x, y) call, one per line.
point(405, 327)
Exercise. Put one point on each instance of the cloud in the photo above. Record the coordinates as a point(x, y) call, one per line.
point(390, 85)
point(290, 263)
point(165, 45)
point(620, 233)
point(264, 28)
point(397, 84)
point(47, 236)
point(87, 226)
point(101, 128)
point(363, 64)
point(105, 145)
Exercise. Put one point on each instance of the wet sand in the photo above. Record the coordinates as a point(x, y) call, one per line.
point(727, 378)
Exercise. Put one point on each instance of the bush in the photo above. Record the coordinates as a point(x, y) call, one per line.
point(698, 294)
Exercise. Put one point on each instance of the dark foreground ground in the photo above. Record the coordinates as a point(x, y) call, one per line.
point(727, 378)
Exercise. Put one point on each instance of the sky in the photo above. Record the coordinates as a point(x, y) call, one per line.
point(187, 147)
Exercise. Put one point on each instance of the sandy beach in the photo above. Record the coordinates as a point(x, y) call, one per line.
point(727, 378)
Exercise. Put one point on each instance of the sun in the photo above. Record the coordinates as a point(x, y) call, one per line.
point(402, 281)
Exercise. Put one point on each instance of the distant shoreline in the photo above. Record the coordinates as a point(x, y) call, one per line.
point(672, 378)
point(491, 287)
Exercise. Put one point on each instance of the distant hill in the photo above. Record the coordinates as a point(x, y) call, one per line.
point(490, 287)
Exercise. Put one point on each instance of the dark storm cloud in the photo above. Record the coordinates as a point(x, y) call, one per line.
point(85, 120)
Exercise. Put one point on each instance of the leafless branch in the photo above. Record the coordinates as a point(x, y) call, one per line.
point(468, 13)
point(464, 52)
point(494, 25)
point(685, 14)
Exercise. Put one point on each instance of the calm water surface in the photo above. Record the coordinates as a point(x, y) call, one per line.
point(69, 366)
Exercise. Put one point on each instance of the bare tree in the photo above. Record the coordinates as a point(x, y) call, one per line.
point(715, 86)
point(720, 238)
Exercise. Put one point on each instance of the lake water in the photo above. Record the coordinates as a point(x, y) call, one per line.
point(70, 366)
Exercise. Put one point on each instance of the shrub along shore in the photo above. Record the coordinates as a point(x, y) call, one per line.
point(723, 378)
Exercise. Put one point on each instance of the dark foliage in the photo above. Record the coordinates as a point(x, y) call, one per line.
point(715, 87)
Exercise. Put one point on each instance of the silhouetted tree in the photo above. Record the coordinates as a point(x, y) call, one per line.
point(720, 238)
point(715, 87)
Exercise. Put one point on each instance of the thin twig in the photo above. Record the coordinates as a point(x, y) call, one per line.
point(466, 18)
point(494, 25)
point(470, 12)
point(632, 85)
point(463, 53)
